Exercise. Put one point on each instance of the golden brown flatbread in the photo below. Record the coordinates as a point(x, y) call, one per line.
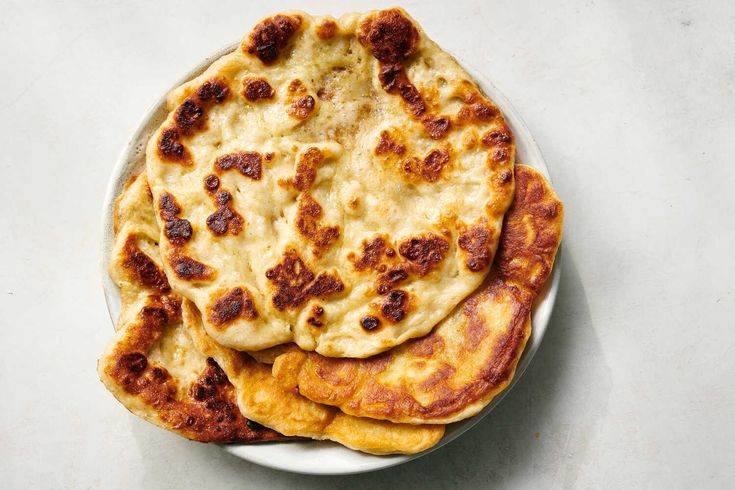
point(266, 401)
point(471, 356)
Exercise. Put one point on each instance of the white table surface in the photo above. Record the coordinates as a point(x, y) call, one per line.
point(633, 104)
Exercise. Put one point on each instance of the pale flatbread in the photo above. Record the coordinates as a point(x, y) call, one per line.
point(336, 183)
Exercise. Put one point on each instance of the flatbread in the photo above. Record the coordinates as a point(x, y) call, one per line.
point(470, 357)
point(263, 399)
point(336, 183)
point(156, 338)
point(151, 366)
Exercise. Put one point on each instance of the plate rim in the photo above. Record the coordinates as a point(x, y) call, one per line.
point(129, 160)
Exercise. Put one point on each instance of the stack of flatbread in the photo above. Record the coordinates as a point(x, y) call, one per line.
point(331, 239)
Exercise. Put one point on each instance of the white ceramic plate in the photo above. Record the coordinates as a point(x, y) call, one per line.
point(321, 457)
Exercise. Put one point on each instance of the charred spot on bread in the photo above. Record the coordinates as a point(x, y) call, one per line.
point(141, 268)
point(271, 35)
point(390, 278)
point(211, 183)
point(171, 149)
point(370, 323)
point(484, 111)
point(211, 410)
point(437, 126)
point(295, 283)
point(394, 80)
point(134, 362)
point(308, 223)
point(177, 230)
point(497, 137)
point(189, 269)
point(395, 307)
point(424, 252)
point(302, 107)
point(225, 219)
point(168, 207)
point(257, 89)
point(325, 285)
point(388, 145)
point(214, 91)
point(433, 164)
point(248, 163)
point(315, 319)
point(389, 36)
point(190, 116)
point(372, 253)
point(306, 169)
point(476, 241)
point(233, 304)
point(500, 155)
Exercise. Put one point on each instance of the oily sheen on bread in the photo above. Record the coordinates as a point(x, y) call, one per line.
point(151, 365)
point(336, 183)
point(471, 356)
